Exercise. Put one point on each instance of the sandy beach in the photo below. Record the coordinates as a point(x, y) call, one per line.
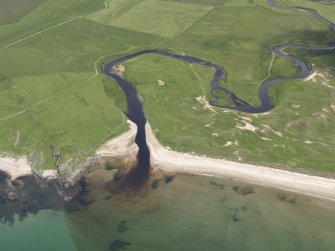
point(176, 162)
point(15, 167)
point(124, 149)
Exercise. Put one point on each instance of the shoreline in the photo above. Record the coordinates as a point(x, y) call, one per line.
point(124, 150)
point(175, 162)
point(15, 167)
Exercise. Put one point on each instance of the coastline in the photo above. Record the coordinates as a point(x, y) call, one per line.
point(121, 148)
point(124, 150)
point(175, 162)
point(15, 167)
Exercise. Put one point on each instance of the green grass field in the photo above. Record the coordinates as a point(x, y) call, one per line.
point(50, 92)
point(324, 8)
point(297, 134)
point(161, 18)
point(13, 10)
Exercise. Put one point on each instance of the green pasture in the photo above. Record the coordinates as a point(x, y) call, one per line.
point(240, 39)
point(162, 18)
point(51, 90)
point(13, 10)
point(324, 8)
point(75, 119)
point(298, 134)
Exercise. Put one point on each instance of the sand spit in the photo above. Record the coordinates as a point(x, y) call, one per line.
point(122, 148)
point(171, 161)
point(15, 167)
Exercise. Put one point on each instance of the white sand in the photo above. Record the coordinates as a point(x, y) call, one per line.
point(186, 163)
point(15, 167)
point(121, 145)
point(122, 148)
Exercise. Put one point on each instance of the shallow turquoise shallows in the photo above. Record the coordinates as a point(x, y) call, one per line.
point(45, 232)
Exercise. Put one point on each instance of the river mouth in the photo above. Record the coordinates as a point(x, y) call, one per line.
point(138, 212)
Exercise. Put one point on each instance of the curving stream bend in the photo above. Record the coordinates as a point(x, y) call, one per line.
point(135, 112)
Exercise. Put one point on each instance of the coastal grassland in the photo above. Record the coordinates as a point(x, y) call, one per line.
point(74, 122)
point(298, 134)
point(324, 8)
point(162, 18)
point(208, 2)
point(73, 47)
point(283, 67)
point(240, 39)
point(51, 89)
point(47, 14)
point(13, 10)
point(52, 92)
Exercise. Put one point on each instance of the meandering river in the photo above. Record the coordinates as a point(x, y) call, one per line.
point(135, 111)
point(173, 213)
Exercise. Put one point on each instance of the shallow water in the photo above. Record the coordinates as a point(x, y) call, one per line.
point(200, 213)
point(180, 213)
point(46, 231)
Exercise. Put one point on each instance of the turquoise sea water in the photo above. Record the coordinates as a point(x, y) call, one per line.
point(185, 213)
point(45, 232)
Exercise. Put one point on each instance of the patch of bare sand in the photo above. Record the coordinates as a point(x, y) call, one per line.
point(15, 167)
point(171, 161)
point(202, 100)
point(323, 78)
point(247, 127)
point(122, 147)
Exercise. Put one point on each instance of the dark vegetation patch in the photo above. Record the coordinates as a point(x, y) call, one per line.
point(220, 186)
point(209, 2)
point(118, 245)
point(287, 198)
point(12, 10)
point(6, 83)
point(235, 214)
point(168, 179)
point(243, 190)
point(155, 184)
point(114, 91)
point(122, 227)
